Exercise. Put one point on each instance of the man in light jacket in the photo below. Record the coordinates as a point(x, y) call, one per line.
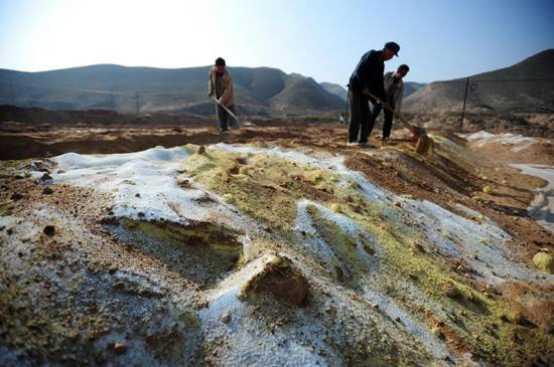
point(366, 83)
point(221, 84)
point(394, 91)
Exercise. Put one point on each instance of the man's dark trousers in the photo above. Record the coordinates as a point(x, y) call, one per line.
point(389, 115)
point(359, 116)
point(225, 119)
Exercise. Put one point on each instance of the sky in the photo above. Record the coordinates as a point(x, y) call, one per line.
point(439, 39)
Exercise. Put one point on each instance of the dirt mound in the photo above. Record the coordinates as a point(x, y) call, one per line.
point(202, 253)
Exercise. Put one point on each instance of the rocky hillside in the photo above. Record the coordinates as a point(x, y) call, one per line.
point(527, 86)
point(277, 247)
point(409, 89)
point(125, 89)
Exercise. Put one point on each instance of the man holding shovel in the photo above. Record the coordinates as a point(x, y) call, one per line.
point(367, 81)
point(220, 88)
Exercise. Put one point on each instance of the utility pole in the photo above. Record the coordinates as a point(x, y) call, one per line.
point(12, 93)
point(137, 97)
point(464, 106)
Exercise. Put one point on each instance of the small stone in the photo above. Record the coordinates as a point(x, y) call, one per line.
point(16, 196)
point(201, 149)
point(49, 230)
point(451, 291)
point(47, 191)
point(336, 208)
point(544, 261)
point(137, 195)
point(46, 177)
point(487, 189)
point(120, 347)
point(437, 332)
point(226, 317)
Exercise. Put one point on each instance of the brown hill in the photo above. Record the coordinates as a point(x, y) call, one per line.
point(527, 86)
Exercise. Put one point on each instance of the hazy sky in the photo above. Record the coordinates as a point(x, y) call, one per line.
point(439, 39)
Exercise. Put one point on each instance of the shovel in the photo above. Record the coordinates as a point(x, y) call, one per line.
point(235, 125)
point(424, 142)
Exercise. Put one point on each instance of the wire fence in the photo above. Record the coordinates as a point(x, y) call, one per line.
point(504, 96)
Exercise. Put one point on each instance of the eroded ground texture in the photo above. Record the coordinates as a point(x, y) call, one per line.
point(279, 246)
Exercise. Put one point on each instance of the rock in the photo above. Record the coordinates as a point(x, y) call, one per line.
point(336, 208)
point(16, 196)
point(452, 291)
point(487, 189)
point(47, 191)
point(437, 332)
point(201, 149)
point(137, 195)
point(226, 317)
point(544, 261)
point(423, 145)
point(120, 347)
point(229, 198)
point(49, 230)
point(46, 177)
point(281, 279)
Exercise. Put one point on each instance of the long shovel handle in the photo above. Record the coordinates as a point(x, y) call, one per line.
point(388, 107)
point(226, 109)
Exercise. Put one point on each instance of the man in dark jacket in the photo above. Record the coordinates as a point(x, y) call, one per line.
point(367, 79)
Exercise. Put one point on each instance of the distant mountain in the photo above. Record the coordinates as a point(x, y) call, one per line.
point(339, 90)
point(527, 86)
point(412, 87)
point(262, 91)
point(336, 89)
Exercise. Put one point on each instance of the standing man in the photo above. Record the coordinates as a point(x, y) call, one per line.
point(221, 84)
point(367, 79)
point(394, 91)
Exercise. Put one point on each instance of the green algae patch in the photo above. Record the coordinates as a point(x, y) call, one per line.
point(350, 267)
point(263, 187)
point(199, 251)
point(6, 208)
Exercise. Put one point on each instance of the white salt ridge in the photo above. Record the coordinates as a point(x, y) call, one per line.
point(542, 207)
point(520, 142)
point(145, 186)
point(449, 233)
point(390, 308)
point(322, 250)
point(386, 304)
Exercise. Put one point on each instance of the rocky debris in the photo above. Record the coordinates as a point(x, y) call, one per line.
point(544, 261)
point(46, 177)
point(487, 189)
point(120, 347)
point(280, 279)
point(201, 150)
point(41, 166)
point(226, 317)
point(451, 291)
point(49, 230)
